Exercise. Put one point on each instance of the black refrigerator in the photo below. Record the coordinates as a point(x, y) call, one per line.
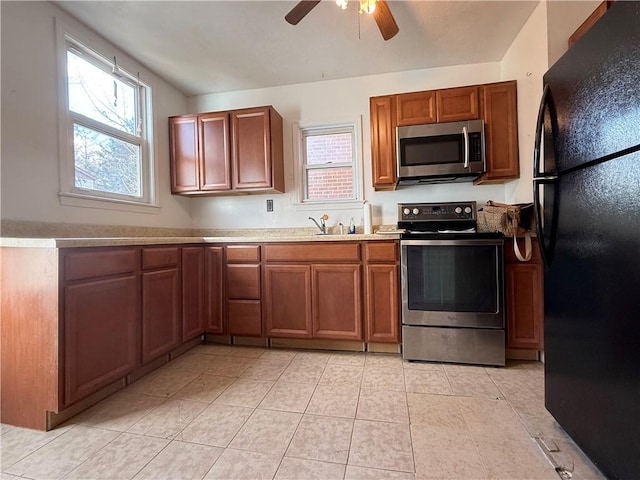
point(587, 198)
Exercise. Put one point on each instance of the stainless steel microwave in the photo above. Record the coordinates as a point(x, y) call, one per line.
point(440, 152)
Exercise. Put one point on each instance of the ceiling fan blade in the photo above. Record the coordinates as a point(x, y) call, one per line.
point(384, 18)
point(298, 12)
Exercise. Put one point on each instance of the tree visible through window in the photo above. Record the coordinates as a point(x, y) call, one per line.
point(328, 155)
point(106, 109)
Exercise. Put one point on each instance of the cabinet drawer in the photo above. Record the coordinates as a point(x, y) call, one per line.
point(243, 281)
point(99, 263)
point(159, 257)
point(244, 318)
point(243, 253)
point(381, 251)
point(313, 252)
point(510, 256)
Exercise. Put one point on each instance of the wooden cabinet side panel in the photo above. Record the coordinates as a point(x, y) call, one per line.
point(251, 151)
point(101, 323)
point(160, 313)
point(215, 154)
point(277, 151)
point(336, 302)
point(192, 292)
point(183, 153)
point(214, 298)
point(525, 316)
point(457, 104)
point(29, 336)
point(287, 301)
point(381, 304)
point(500, 113)
point(383, 151)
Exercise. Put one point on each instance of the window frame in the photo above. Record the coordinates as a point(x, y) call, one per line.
point(300, 132)
point(69, 193)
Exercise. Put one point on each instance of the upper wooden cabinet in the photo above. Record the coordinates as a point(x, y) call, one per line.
point(416, 108)
point(457, 104)
point(226, 152)
point(495, 103)
point(383, 142)
point(500, 113)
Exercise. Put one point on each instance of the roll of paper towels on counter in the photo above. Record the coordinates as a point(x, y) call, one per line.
point(367, 218)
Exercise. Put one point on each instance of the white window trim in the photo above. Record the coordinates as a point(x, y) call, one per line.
point(69, 194)
point(299, 202)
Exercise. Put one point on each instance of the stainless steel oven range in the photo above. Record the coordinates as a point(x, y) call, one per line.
point(453, 307)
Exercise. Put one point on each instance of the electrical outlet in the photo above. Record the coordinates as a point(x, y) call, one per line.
point(269, 205)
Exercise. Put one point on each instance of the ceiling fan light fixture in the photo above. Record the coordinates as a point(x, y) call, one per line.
point(342, 4)
point(367, 6)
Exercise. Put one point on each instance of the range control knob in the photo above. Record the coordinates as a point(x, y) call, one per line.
point(458, 210)
point(416, 211)
point(467, 209)
point(406, 211)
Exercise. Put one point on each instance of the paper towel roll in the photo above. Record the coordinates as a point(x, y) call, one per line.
point(367, 218)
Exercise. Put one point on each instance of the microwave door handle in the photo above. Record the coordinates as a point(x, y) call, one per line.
point(465, 133)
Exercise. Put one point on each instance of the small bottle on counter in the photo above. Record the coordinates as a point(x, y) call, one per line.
point(352, 226)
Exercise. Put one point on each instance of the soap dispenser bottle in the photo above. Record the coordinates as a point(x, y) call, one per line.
point(352, 226)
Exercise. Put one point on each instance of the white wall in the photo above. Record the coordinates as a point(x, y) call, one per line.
point(563, 18)
point(526, 62)
point(29, 124)
point(326, 102)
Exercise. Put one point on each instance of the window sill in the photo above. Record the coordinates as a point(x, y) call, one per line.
point(329, 205)
point(77, 200)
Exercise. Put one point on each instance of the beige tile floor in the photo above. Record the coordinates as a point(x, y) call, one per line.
point(221, 412)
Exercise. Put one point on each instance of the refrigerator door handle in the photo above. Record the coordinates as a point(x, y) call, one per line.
point(537, 208)
point(539, 132)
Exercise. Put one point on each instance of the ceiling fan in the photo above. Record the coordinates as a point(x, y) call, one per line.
point(378, 8)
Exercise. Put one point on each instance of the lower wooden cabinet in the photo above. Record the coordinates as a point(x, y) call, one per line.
point(336, 302)
point(525, 300)
point(161, 326)
point(245, 318)
point(287, 301)
point(100, 334)
point(381, 303)
point(214, 287)
point(244, 290)
point(193, 323)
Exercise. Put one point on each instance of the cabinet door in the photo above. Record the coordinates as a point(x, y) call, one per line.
point(160, 313)
point(213, 290)
point(525, 302)
point(336, 304)
point(183, 145)
point(243, 281)
point(416, 108)
point(100, 334)
point(251, 149)
point(383, 142)
point(287, 301)
point(381, 297)
point(500, 112)
point(244, 318)
point(192, 292)
point(456, 104)
point(215, 155)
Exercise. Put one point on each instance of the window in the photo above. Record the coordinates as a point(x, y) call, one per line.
point(329, 163)
point(106, 130)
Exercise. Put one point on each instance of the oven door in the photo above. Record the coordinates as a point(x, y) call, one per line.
point(453, 283)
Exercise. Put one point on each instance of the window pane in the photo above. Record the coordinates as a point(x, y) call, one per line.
point(330, 183)
point(105, 163)
point(331, 148)
point(99, 95)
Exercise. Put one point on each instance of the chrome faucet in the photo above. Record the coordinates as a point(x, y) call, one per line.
point(322, 226)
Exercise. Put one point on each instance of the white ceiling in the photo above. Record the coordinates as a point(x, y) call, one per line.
point(217, 46)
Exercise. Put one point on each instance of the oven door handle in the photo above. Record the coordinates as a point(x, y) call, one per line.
point(465, 134)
